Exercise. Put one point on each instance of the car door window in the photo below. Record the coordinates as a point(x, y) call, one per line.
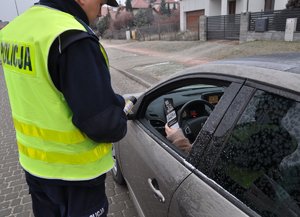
point(260, 162)
point(193, 104)
point(208, 94)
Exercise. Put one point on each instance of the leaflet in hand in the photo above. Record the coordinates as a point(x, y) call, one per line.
point(170, 113)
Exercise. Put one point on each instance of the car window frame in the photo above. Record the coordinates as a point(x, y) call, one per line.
point(229, 119)
point(291, 94)
point(164, 87)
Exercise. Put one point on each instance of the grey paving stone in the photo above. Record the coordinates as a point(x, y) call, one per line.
point(15, 202)
point(11, 196)
point(124, 196)
point(130, 212)
point(4, 205)
point(5, 212)
point(115, 207)
point(18, 209)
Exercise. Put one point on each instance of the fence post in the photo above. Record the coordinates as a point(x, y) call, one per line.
point(244, 26)
point(224, 26)
point(290, 28)
point(158, 30)
point(203, 28)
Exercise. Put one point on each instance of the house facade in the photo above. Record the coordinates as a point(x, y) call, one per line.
point(191, 10)
point(139, 5)
point(172, 4)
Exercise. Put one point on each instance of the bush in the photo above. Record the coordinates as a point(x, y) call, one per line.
point(293, 4)
point(123, 20)
point(143, 17)
point(103, 24)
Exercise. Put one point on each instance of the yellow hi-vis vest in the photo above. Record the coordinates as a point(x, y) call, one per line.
point(50, 146)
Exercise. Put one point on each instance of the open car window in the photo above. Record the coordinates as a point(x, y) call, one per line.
point(155, 112)
point(193, 103)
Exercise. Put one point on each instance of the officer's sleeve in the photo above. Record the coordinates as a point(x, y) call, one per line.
point(84, 80)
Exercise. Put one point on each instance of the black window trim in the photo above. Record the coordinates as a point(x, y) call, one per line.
point(227, 195)
point(233, 119)
point(274, 89)
point(209, 128)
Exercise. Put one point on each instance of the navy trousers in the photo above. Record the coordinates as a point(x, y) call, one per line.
point(56, 198)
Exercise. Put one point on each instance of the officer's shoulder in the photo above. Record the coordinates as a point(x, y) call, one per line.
point(72, 36)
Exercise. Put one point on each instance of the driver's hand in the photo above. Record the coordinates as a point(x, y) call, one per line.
point(169, 131)
point(176, 136)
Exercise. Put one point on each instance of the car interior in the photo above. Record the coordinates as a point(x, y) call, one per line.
point(192, 104)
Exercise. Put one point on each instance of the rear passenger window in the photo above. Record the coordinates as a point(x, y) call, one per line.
point(260, 163)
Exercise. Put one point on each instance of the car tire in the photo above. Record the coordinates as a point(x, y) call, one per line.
point(116, 173)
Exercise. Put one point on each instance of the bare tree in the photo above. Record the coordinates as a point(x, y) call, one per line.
point(293, 4)
point(128, 5)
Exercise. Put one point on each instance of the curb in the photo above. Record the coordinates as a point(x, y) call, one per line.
point(129, 75)
point(133, 77)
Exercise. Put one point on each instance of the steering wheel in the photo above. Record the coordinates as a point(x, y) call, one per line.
point(192, 126)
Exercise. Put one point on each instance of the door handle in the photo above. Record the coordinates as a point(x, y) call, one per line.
point(154, 187)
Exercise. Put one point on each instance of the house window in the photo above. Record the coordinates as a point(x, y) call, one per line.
point(269, 5)
point(231, 7)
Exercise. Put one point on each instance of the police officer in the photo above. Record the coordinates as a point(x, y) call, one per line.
point(64, 110)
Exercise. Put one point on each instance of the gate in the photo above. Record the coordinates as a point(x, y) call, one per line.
point(192, 20)
point(224, 27)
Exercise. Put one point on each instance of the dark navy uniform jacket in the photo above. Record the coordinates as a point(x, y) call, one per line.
point(81, 74)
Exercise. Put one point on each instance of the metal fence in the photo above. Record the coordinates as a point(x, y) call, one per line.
point(276, 20)
point(158, 31)
point(165, 31)
point(224, 27)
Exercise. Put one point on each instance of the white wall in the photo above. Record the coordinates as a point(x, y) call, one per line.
point(182, 17)
point(241, 6)
point(224, 7)
point(280, 4)
point(193, 5)
point(256, 5)
point(214, 8)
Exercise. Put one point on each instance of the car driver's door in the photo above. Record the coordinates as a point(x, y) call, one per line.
point(152, 166)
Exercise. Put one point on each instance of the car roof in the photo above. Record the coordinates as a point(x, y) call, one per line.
point(281, 70)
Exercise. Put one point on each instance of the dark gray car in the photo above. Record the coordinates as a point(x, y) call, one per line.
point(242, 117)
